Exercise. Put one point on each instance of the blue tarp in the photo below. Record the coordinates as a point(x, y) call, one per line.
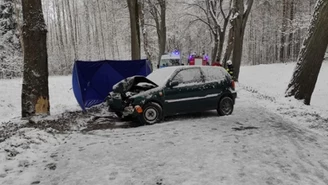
point(93, 80)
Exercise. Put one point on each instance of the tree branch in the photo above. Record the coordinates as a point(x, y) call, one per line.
point(203, 21)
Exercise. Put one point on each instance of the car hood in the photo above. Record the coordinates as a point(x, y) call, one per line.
point(129, 83)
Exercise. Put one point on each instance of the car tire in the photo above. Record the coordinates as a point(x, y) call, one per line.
point(152, 113)
point(225, 106)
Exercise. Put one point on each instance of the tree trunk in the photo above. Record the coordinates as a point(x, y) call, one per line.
point(215, 48)
point(276, 55)
point(220, 47)
point(103, 40)
point(229, 47)
point(144, 31)
point(282, 55)
point(88, 34)
point(35, 92)
point(239, 23)
point(297, 45)
point(135, 29)
point(237, 47)
point(291, 33)
point(311, 56)
point(161, 30)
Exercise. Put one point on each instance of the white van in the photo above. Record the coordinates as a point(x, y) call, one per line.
point(170, 59)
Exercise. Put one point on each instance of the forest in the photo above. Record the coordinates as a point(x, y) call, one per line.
point(163, 92)
point(44, 37)
point(99, 29)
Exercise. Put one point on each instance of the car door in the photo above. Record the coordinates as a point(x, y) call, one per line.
point(213, 86)
point(184, 97)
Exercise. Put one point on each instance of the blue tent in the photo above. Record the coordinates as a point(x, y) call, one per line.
point(92, 81)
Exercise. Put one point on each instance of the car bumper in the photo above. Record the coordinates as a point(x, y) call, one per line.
point(129, 111)
point(234, 96)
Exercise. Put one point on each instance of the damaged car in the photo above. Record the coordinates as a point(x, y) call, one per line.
point(173, 90)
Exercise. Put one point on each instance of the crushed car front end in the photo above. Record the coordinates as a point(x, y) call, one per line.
point(122, 99)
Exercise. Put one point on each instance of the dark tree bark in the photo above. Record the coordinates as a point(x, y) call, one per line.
point(35, 92)
point(298, 41)
point(282, 53)
point(226, 17)
point(291, 33)
point(215, 48)
point(144, 31)
point(311, 56)
point(135, 29)
point(162, 27)
point(229, 48)
point(240, 15)
point(158, 12)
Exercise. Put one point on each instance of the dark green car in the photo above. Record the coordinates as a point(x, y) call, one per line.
point(173, 90)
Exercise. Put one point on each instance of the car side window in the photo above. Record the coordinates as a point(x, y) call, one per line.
point(214, 74)
point(187, 76)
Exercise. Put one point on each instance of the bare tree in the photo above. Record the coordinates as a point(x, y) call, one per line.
point(35, 92)
point(216, 19)
point(135, 29)
point(98, 29)
point(311, 56)
point(291, 33)
point(144, 29)
point(216, 11)
point(229, 47)
point(240, 15)
point(157, 10)
point(283, 36)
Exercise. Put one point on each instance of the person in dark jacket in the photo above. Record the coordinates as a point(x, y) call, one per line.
point(230, 68)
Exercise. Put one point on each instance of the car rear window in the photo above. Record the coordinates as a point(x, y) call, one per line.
point(214, 73)
point(188, 76)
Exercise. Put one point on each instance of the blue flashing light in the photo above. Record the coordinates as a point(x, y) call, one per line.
point(176, 52)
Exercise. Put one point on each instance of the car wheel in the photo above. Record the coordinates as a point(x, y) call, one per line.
point(152, 113)
point(225, 106)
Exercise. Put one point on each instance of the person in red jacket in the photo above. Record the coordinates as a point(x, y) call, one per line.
point(216, 63)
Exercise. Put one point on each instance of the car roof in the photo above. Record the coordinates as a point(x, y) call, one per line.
point(191, 66)
point(206, 68)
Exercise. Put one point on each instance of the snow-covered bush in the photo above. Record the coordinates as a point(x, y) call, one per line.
point(10, 48)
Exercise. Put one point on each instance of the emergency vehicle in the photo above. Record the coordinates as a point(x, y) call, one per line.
point(198, 60)
point(170, 59)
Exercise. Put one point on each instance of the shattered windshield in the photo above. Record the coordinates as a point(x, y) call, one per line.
point(160, 76)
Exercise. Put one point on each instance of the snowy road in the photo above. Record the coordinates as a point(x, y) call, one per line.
point(253, 146)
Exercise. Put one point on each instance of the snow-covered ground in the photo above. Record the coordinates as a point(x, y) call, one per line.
point(273, 79)
point(269, 139)
point(60, 91)
point(268, 84)
point(252, 146)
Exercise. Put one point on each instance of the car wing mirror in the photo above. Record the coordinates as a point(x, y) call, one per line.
point(173, 84)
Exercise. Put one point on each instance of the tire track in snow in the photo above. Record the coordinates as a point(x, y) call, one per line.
point(311, 149)
point(314, 119)
point(252, 146)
